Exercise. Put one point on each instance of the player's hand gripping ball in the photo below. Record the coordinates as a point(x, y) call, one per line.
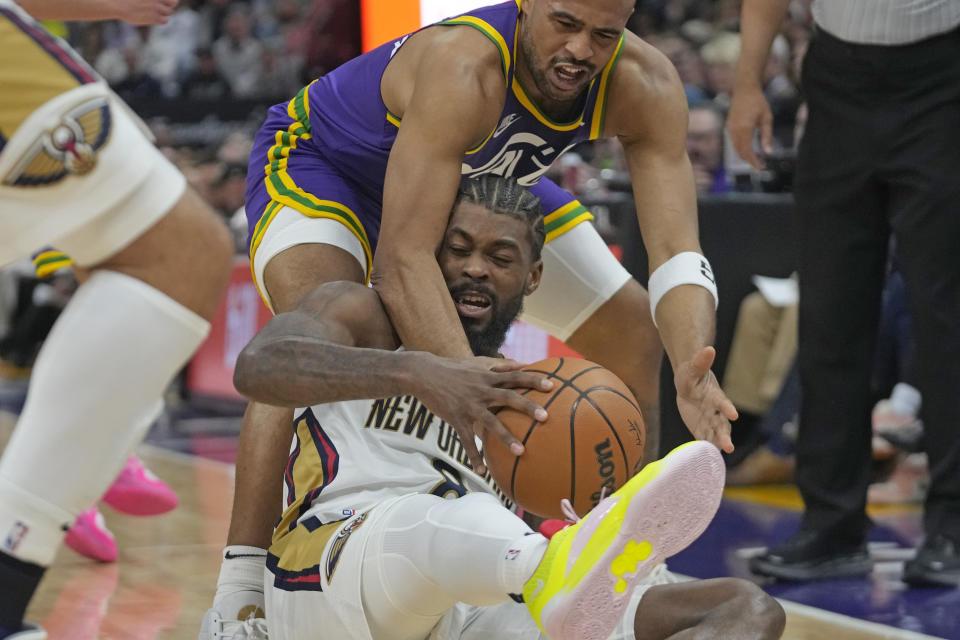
point(591, 443)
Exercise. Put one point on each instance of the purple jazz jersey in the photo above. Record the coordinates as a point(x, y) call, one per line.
point(325, 152)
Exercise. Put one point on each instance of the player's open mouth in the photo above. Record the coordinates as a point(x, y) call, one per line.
point(472, 304)
point(569, 76)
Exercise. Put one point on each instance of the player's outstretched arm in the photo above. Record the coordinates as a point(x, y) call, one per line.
point(648, 114)
point(749, 110)
point(338, 344)
point(140, 12)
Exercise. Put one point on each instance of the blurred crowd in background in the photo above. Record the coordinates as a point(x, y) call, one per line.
point(220, 50)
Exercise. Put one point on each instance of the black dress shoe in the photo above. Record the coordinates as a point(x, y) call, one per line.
point(937, 564)
point(813, 555)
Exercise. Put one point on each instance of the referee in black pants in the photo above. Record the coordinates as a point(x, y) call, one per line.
point(881, 154)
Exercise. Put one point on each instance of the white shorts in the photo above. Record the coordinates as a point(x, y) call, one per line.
point(312, 586)
point(579, 271)
point(93, 208)
point(289, 228)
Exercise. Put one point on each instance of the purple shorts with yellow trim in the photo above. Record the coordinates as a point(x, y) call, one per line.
point(288, 169)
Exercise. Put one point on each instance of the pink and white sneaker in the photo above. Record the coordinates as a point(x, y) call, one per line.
point(137, 492)
point(90, 537)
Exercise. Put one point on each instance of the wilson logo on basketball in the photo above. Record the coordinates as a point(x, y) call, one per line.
point(606, 469)
point(591, 440)
point(639, 434)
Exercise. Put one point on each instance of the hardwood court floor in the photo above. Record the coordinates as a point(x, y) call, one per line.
point(164, 579)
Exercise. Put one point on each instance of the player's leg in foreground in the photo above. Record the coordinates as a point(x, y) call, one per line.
point(78, 172)
point(719, 608)
point(422, 554)
point(110, 356)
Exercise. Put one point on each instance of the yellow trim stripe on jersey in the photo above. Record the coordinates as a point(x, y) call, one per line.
point(530, 106)
point(48, 262)
point(486, 29)
point(505, 59)
point(600, 108)
point(565, 218)
point(392, 119)
point(480, 146)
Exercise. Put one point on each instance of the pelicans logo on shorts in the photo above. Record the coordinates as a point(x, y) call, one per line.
point(336, 547)
point(69, 147)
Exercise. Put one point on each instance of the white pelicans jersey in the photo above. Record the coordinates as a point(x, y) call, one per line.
point(348, 456)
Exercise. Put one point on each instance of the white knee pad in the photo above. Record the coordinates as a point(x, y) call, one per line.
point(458, 547)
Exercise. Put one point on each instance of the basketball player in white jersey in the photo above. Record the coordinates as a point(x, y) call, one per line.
point(79, 171)
point(368, 548)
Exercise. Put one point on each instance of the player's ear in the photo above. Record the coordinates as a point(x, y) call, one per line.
point(533, 277)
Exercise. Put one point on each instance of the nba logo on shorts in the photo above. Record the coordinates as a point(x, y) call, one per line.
point(16, 535)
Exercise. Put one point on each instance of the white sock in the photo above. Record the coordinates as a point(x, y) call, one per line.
point(100, 374)
point(240, 585)
point(905, 400)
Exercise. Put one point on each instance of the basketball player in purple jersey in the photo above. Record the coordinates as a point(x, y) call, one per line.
point(376, 148)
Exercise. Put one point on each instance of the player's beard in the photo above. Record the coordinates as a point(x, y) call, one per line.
point(488, 340)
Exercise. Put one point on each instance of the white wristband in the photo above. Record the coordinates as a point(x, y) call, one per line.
point(688, 267)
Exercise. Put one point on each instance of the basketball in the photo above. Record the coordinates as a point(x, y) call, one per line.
point(591, 443)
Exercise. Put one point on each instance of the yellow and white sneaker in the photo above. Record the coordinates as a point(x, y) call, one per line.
point(588, 573)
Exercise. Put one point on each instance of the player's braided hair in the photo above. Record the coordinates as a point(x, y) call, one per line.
point(506, 196)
